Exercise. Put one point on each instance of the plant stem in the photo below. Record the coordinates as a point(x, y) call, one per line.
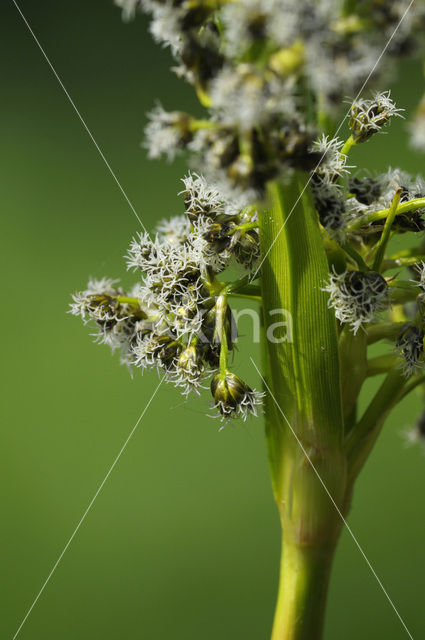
point(304, 423)
point(382, 364)
point(382, 245)
point(384, 331)
point(355, 256)
point(373, 216)
point(350, 142)
point(360, 441)
point(304, 579)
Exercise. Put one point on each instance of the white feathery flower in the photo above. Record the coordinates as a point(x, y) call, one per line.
point(369, 116)
point(165, 25)
point(115, 337)
point(333, 163)
point(354, 209)
point(166, 133)
point(83, 300)
point(189, 371)
point(142, 253)
point(356, 297)
point(282, 25)
point(243, 96)
point(200, 197)
point(217, 258)
point(392, 179)
point(174, 230)
point(340, 74)
point(117, 322)
point(245, 22)
point(152, 350)
point(144, 351)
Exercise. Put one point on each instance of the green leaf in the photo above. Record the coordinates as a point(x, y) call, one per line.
point(305, 373)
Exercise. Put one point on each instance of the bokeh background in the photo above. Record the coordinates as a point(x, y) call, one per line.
point(183, 540)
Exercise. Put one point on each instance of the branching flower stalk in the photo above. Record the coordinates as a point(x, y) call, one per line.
point(273, 194)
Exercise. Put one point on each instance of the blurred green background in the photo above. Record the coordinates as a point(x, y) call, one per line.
point(183, 541)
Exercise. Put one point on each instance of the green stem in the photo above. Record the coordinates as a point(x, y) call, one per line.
point(373, 216)
point(394, 263)
point(353, 359)
point(304, 423)
point(401, 295)
point(349, 249)
point(243, 227)
point(350, 142)
point(135, 302)
point(245, 296)
point(384, 331)
point(382, 245)
point(361, 439)
point(220, 319)
point(410, 387)
point(382, 364)
point(303, 585)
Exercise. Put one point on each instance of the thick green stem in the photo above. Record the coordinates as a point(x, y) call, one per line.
point(304, 422)
point(303, 585)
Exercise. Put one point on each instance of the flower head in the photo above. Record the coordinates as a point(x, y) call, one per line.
point(167, 133)
point(233, 397)
point(356, 296)
point(369, 116)
point(333, 163)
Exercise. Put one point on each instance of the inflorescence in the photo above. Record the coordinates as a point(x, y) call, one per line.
point(263, 68)
point(178, 319)
point(271, 75)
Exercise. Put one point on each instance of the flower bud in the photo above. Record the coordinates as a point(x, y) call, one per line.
point(189, 369)
point(369, 116)
point(233, 397)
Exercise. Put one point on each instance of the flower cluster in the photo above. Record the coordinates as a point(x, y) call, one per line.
point(178, 319)
point(271, 75)
point(367, 117)
point(357, 296)
point(250, 63)
point(119, 317)
point(332, 206)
